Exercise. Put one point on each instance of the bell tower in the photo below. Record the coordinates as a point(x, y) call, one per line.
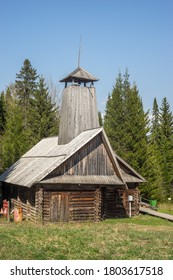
point(79, 105)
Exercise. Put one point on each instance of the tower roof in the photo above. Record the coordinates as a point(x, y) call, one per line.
point(79, 75)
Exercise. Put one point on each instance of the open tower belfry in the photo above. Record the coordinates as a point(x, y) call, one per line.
point(79, 105)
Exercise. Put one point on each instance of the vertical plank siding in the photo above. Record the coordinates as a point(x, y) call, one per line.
point(92, 159)
point(24, 198)
point(78, 112)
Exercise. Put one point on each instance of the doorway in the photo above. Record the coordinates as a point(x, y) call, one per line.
point(59, 207)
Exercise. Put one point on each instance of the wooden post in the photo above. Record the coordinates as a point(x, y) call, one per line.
point(98, 205)
point(39, 204)
point(130, 199)
point(8, 211)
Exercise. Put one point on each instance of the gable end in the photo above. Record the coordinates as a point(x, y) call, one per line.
point(91, 159)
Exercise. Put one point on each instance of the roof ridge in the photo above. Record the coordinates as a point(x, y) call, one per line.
point(87, 77)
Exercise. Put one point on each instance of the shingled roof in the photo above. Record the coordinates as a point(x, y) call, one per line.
point(34, 166)
point(79, 75)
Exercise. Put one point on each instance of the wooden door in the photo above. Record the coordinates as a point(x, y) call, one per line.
point(59, 207)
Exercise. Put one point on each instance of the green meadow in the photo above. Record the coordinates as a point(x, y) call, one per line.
point(141, 237)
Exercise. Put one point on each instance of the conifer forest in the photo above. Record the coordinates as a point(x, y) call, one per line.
point(28, 113)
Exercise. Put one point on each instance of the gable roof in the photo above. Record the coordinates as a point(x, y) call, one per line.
point(47, 155)
point(43, 158)
point(129, 174)
point(79, 75)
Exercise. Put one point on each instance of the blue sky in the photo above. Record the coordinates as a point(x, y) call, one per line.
point(133, 34)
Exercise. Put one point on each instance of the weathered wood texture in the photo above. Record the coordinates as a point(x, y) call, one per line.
point(59, 207)
point(135, 204)
point(39, 201)
point(30, 200)
point(156, 213)
point(79, 75)
point(91, 159)
point(73, 205)
point(88, 205)
point(116, 205)
point(24, 198)
point(78, 112)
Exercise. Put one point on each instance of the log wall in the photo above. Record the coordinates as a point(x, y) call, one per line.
point(80, 205)
point(96, 203)
point(135, 204)
point(116, 205)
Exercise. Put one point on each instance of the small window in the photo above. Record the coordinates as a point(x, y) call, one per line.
point(119, 199)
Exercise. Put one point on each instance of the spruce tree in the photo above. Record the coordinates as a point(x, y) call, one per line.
point(155, 182)
point(126, 125)
point(136, 129)
point(26, 85)
point(5, 109)
point(100, 119)
point(44, 114)
point(115, 117)
point(2, 112)
point(15, 139)
point(166, 146)
point(155, 121)
point(166, 119)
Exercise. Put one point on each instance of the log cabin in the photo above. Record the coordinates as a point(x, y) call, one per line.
point(75, 176)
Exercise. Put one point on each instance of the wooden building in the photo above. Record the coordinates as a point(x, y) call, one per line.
point(76, 176)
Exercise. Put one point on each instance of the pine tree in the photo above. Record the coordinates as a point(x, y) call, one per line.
point(26, 85)
point(155, 121)
point(15, 139)
point(5, 100)
point(2, 126)
point(136, 129)
point(155, 182)
point(126, 84)
point(166, 119)
point(100, 119)
point(30, 115)
point(166, 146)
point(126, 125)
point(2, 112)
point(115, 117)
point(44, 114)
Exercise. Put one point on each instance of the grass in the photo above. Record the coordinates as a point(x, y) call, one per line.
point(166, 208)
point(141, 237)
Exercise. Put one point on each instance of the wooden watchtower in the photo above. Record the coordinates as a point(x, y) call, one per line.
point(79, 105)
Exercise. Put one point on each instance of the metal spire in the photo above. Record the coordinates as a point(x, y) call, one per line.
point(79, 52)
